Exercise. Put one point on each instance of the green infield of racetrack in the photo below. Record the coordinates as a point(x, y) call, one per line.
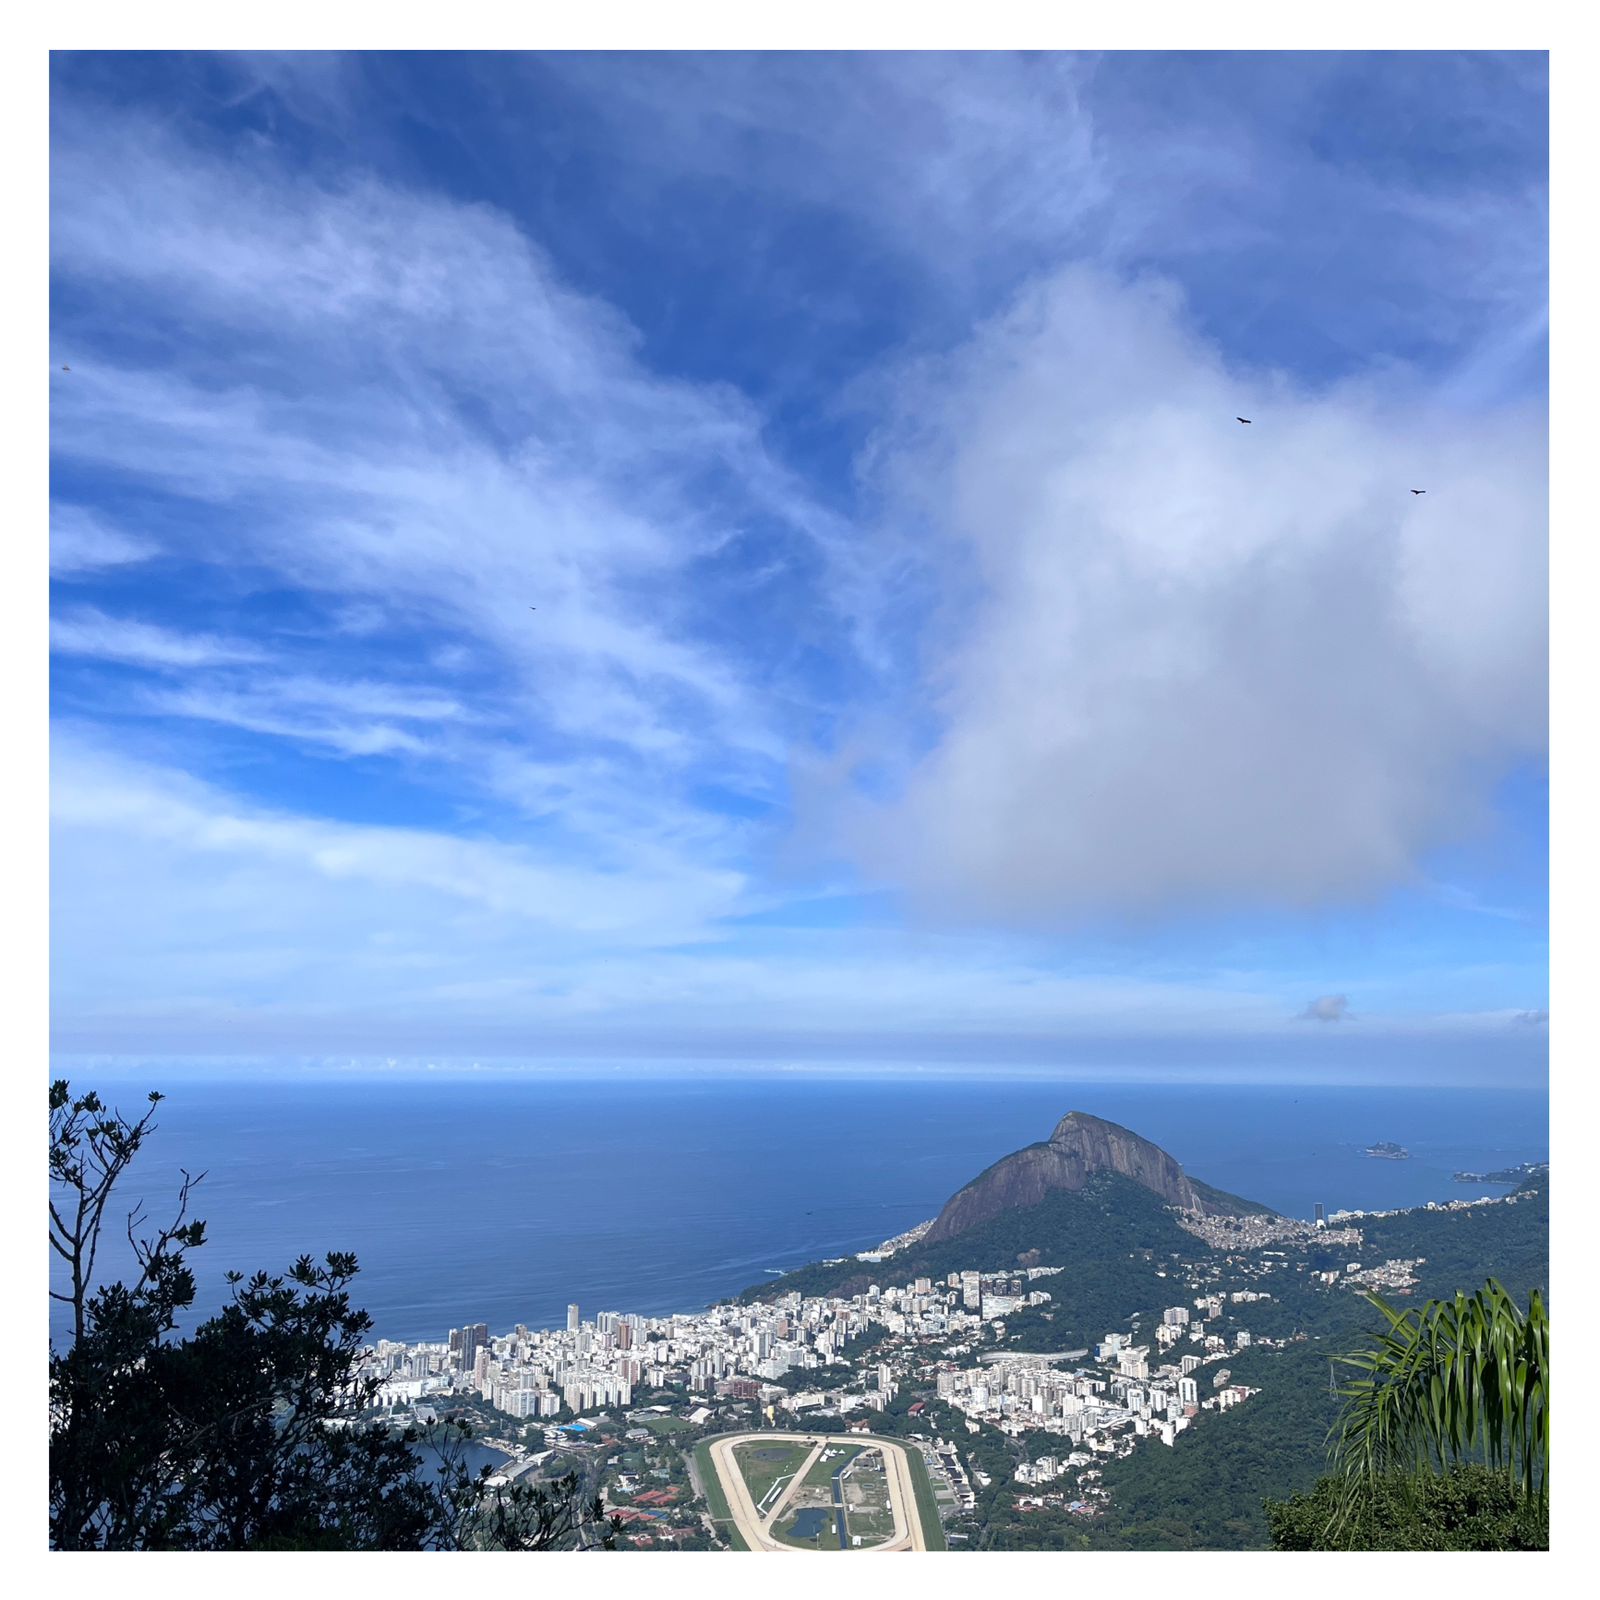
point(721, 1511)
point(822, 1472)
point(765, 1463)
point(722, 1514)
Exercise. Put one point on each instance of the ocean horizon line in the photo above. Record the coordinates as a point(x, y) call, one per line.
point(303, 1070)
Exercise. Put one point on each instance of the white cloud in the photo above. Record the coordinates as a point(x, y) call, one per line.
point(963, 175)
point(178, 905)
point(402, 872)
point(90, 632)
point(1185, 661)
point(948, 158)
point(263, 713)
point(82, 541)
point(1172, 660)
point(1328, 1008)
point(188, 918)
point(577, 481)
point(353, 716)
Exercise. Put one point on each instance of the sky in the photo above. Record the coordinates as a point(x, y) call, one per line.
point(751, 559)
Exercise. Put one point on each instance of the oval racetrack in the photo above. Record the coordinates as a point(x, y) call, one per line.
point(754, 1529)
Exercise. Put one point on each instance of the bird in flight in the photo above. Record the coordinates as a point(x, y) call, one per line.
point(1419, 491)
point(1244, 420)
point(66, 369)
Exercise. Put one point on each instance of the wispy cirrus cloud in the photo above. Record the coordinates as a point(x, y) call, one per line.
point(81, 541)
point(573, 479)
point(100, 793)
point(351, 724)
point(87, 631)
point(1319, 208)
point(972, 155)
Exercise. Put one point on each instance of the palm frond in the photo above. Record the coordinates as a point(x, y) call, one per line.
point(1447, 1381)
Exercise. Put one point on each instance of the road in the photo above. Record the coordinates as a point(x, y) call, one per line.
point(754, 1529)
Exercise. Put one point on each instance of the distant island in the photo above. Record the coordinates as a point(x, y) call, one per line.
point(1516, 1174)
point(1386, 1151)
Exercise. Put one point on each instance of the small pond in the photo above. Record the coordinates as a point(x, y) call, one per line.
point(811, 1522)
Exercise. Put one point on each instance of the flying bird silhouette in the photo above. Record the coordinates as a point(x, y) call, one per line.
point(1244, 420)
point(1419, 491)
point(66, 369)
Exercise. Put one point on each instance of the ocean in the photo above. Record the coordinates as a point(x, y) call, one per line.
point(502, 1199)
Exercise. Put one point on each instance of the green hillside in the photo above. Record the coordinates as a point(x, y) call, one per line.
point(1112, 1237)
point(1235, 1205)
point(1115, 1239)
point(1207, 1491)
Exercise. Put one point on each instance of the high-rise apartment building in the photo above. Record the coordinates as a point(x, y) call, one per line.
point(473, 1338)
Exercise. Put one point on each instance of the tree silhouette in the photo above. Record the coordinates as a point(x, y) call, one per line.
point(253, 1432)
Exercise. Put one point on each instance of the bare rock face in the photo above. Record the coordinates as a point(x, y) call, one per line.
point(1080, 1146)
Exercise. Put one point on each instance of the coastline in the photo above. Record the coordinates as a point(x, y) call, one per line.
point(672, 1209)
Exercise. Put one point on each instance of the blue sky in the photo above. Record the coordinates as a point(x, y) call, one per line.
point(927, 668)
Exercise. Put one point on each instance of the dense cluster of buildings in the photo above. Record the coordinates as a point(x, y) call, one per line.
point(728, 1351)
point(1123, 1399)
point(1433, 1205)
point(596, 1365)
point(1394, 1275)
point(1255, 1232)
point(750, 1353)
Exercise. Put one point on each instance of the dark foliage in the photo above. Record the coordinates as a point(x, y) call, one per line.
point(1233, 1205)
point(869, 1338)
point(1508, 1242)
point(1467, 1508)
point(1206, 1492)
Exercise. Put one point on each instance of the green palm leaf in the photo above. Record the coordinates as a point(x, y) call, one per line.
point(1445, 1379)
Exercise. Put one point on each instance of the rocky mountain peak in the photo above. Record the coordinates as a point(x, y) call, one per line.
point(1080, 1146)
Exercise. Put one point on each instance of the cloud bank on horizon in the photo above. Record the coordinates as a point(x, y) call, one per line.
point(753, 557)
